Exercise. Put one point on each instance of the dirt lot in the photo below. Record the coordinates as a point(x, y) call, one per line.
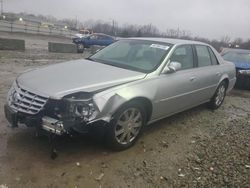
point(196, 148)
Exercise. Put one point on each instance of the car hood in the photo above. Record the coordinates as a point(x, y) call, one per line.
point(242, 65)
point(56, 81)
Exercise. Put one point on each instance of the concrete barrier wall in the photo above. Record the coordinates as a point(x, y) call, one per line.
point(12, 44)
point(62, 47)
point(34, 28)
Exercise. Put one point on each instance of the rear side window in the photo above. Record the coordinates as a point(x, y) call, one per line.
point(213, 58)
point(203, 56)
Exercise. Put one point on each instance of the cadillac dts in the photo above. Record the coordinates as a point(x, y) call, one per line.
point(123, 87)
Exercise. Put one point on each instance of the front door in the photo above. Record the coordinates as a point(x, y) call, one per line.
point(175, 90)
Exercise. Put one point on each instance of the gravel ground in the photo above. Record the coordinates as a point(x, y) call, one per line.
point(222, 158)
point(196, 148)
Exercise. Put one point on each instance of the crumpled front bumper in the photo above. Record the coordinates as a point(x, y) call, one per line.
point(52, 125)
point(15, 118)
point(49, 124)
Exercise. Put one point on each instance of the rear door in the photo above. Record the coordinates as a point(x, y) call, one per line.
point(207, 72)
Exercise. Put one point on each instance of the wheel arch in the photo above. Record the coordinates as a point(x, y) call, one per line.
point(145, 102)
point(224, 78)
point(116, 102)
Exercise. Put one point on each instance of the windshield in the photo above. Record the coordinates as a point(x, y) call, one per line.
point(137, 55)
point(242, 57)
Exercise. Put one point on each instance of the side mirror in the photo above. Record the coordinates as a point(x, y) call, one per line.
point(172, 67)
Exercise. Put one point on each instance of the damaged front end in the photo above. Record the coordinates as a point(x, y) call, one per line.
point(75, 112)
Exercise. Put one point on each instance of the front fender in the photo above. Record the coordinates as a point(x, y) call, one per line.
point(109, 102)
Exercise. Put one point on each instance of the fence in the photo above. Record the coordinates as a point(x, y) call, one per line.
point(34, 28)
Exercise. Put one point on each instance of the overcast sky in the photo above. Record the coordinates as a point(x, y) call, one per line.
point(205, 18)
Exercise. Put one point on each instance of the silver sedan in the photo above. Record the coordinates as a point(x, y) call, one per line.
point(121, 88)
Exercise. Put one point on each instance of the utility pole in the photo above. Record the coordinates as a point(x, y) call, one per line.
point(76, 23)
point(1, 7)
point(113, 30)
point(113, 23)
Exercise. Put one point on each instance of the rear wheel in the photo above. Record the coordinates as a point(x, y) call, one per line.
point(219, 96)
point(126, 126)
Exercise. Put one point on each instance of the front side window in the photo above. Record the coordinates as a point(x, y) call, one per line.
point(183, 55)
point(203, 56)
point(137, 55)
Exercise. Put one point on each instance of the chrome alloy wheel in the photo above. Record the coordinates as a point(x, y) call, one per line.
point(128, 125)
point(220, 95)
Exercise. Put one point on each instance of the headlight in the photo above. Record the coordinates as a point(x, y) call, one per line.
point(244, 72)
point(82, 108)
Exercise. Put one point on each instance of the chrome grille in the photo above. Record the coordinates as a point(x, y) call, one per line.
point(26, 101)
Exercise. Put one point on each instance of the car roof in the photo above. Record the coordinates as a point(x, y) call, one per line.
point(101, 34)
point(169, 40)
point(235, 50)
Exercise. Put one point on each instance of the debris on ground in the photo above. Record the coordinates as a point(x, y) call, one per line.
point(164, 178)
point(181, 175)
point(144, 163)
point(99, 178)
point(78, 164)
point(3, 186)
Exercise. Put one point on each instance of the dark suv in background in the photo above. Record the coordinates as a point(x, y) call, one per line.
point(241, 60)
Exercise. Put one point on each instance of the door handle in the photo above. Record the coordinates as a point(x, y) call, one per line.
point(192, 79)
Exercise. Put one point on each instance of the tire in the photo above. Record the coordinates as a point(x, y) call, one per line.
point(219, 96)
point(126, 126)
point(80, 48)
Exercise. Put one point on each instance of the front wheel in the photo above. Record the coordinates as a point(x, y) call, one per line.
point(126, 126)
point(219, 96)
point(80, 48)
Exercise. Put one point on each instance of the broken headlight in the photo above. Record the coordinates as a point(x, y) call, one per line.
point(82, 107)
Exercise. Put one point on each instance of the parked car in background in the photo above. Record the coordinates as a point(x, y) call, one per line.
point(241, 60)
point(98, 39)
point(120, 89)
